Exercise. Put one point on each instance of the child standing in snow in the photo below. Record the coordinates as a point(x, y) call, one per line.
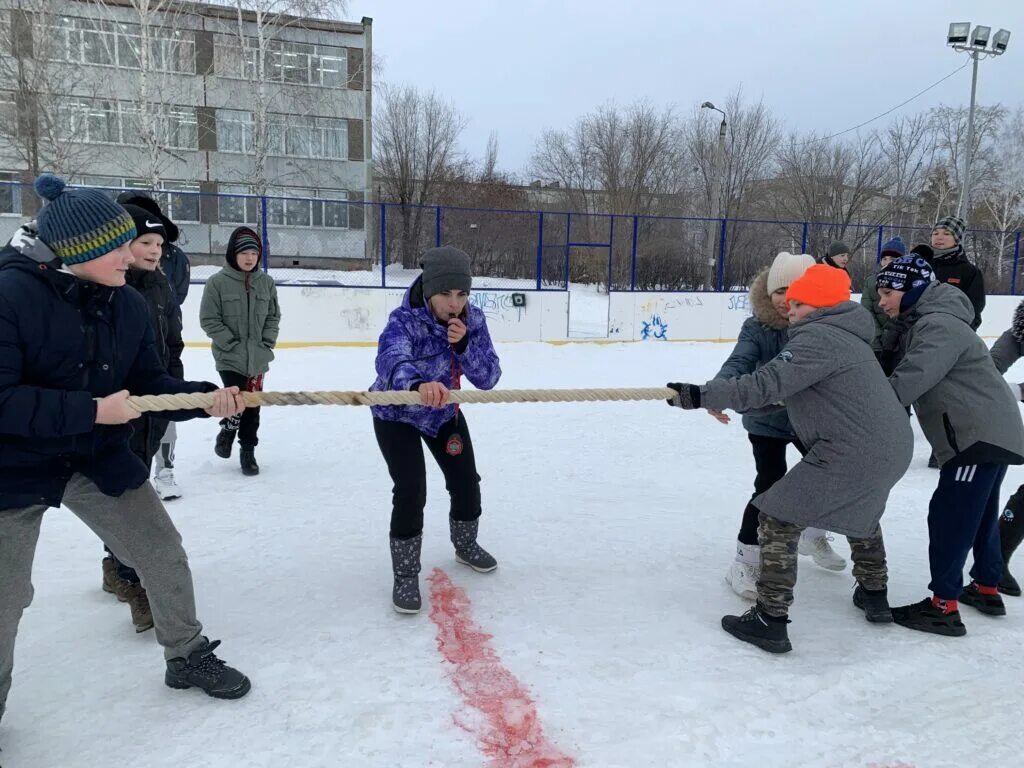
point(761, 339)
point(146, 277)
point(972, 421)
point(74, 343)
point(836, 396)
point(240, 314)
point(428, 343)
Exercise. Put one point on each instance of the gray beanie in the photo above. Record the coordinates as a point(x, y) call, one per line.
point(445, 269)
point(837, 248)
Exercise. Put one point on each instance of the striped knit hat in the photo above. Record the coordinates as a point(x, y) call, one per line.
point(80, 225)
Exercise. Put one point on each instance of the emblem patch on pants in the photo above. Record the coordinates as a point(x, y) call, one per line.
point(454, 445)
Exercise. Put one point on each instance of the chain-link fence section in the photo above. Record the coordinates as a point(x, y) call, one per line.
point(340, 242)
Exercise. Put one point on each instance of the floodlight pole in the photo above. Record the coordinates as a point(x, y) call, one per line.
point(965, 187)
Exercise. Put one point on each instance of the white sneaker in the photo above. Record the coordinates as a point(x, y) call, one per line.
point(165, 486)
point(817, 546)
point(742, 577)
point(745, 570)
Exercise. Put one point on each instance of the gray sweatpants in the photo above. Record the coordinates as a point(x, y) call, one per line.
point(138, 531)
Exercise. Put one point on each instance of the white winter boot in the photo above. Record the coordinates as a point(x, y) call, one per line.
point(745, 571)
point(165, 486)
point(814, 543)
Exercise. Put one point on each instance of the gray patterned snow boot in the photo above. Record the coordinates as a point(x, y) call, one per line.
point(467, 551)
point(405, 562)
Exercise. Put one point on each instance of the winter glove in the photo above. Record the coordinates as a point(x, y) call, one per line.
point(688, 398)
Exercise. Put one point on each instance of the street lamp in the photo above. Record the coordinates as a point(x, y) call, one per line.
point(975, 44)
point(718, 163)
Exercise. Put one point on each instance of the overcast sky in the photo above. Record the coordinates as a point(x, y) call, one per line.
point(520, 66)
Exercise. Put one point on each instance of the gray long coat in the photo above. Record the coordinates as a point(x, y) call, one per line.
point(967, 410)
point(844, 411)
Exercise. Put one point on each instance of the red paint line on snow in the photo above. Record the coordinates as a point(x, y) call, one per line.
point(509, 732)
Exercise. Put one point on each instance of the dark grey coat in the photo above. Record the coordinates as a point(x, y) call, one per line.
point(857, 435)
point(966, 408)
point(761, 338)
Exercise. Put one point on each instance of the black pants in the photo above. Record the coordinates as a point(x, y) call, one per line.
point(770, 463)
point(401, 445)
point(248, 424)
point(964, 516)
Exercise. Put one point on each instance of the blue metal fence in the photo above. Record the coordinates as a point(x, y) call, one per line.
point(327, 241)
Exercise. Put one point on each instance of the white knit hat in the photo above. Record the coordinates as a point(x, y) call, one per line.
point(786, 268)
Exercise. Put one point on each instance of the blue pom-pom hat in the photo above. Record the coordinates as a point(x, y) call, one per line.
point(80, 225)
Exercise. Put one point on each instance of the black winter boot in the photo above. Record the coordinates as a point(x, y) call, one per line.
point(225, 439)
point(874, 603)
point(1011, 533)
point(405, 562)
point(990, 605)
point(756, 627)
point(202, 669)
point(247, 457)
point(925, 617)
point(467, 551)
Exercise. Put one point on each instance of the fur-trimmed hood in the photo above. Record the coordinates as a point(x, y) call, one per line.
point(761, 303)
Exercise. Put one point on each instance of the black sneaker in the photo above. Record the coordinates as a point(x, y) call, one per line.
point(225, 439)
point(247, 458)
point(202, 669)
point(925, 617)
point(758, 628)
point(874, 603)
point(1008, 585)
point(990, 605)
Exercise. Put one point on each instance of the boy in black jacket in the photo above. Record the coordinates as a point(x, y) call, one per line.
point(73, 344)
point(949, 261)
point(145, 276)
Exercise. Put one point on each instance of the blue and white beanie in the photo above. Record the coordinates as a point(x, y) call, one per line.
point(905, 274)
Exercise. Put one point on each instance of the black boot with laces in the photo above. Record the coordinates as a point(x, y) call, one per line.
point(756, 627)
point(202, 669)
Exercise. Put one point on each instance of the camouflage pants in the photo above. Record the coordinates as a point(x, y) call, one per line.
point(779, 542)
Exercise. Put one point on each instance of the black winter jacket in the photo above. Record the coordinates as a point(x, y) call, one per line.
point(63, 343)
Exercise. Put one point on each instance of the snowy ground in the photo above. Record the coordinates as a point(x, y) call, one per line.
point(613, 523)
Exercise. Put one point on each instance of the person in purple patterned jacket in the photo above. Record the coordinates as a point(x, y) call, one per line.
point(430, 341)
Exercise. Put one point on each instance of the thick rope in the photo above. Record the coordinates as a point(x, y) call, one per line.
point(149, 403)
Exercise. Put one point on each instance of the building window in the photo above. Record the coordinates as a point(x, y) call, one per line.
point(114, 44)
point(285, 62)
point(99, 121)
point(236, 207)
point(322, 138)
point(235, 131)
point(179, 200)
point(10, 194)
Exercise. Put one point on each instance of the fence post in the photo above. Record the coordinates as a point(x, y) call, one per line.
point(437, 227)
point(568, 230)
point(540, 247)
point(383, 246)
point(878, 248)
point(632, 261)
point(1016, 261)
point(803, 238)
point(611, 252)
point(721, 257)
point(263, 233)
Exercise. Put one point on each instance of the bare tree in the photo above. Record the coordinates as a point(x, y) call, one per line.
point(1002, 199)
point(416, 138)
point(753, 134)
point(950, 127)
point(36, 78)
point(154, 40)
point(908, 144)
